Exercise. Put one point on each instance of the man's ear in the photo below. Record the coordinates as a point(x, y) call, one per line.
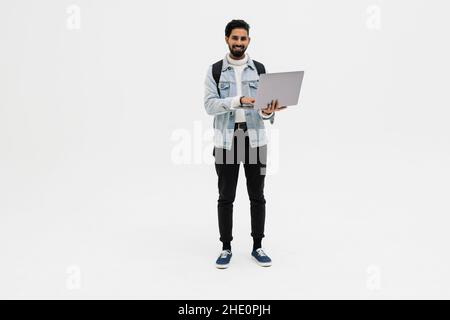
point(226, 39)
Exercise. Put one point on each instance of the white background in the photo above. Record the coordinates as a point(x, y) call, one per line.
point(93, 204)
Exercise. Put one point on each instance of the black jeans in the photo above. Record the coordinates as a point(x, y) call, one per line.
point(227, 163)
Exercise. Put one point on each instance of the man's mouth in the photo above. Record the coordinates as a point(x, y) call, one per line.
point(240, 48)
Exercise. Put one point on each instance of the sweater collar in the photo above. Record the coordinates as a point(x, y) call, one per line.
point(235, 62)
point(248, 59)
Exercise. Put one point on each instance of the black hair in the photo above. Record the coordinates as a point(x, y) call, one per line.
point(234, 24)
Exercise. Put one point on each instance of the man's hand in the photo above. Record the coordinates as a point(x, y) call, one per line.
point(272, 107)
point(247, 100)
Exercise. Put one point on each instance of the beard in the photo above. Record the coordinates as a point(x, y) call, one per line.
point(238, 53)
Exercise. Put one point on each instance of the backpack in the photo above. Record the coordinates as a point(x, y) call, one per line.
point(217, 71)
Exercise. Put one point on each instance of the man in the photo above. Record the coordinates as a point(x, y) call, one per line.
point(239, 135)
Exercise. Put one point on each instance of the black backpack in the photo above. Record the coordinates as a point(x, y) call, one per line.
point(217, 71)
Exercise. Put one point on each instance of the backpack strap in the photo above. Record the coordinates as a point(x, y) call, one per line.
point(259, 67)
point(217, 71)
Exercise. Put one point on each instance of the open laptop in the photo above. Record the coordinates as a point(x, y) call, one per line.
point(283, 86)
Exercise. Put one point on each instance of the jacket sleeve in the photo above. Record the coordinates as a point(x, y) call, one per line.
point(213, 103)
point(264, 117)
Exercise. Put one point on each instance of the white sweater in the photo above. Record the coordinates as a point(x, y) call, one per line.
point(238, 66)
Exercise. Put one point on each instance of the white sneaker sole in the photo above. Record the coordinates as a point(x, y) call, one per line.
point(262, 264)
point(222, 266)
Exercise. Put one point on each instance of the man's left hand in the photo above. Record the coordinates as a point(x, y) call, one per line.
point(273, 106)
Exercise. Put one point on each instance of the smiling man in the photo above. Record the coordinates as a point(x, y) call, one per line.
point(239, 136)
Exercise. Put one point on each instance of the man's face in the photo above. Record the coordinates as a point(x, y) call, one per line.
point(238, 42)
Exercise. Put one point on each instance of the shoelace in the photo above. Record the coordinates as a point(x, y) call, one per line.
point(225, 253)
point(261, 252)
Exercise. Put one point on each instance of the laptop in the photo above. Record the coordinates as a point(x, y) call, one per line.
point(284, 86)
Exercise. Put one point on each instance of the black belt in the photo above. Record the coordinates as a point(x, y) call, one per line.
point(240, 125)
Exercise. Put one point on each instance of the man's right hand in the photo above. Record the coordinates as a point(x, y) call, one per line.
point(247, 100)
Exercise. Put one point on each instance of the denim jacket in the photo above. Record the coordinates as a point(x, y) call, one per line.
point(224, 114)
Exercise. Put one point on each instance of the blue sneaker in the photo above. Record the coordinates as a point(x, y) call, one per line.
point(261, 258)
point(223, 261)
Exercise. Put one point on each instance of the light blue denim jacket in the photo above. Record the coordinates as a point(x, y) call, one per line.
point(221, 106)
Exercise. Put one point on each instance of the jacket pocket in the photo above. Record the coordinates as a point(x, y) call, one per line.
point(224, 88)
point(253, 87)
point(254, 84)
